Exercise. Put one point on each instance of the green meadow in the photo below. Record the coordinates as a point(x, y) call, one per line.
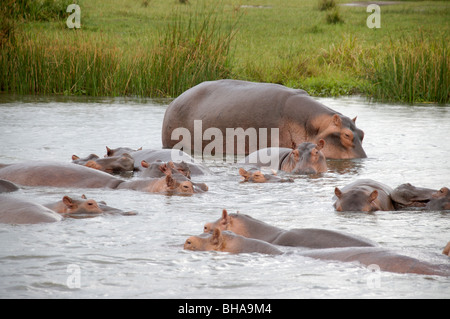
point(160, 48)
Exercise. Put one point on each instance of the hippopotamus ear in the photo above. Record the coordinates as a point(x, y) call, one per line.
point(145, 164)
point(373, 196)
point(337, 120)
point(74, 157)
point(68, 201)
point(246, 175)
point(109, 152)
point(83, 196)
point(170, 181)
point(216, 238)
point(338, 192)
point(166, 170)
point(320, 144)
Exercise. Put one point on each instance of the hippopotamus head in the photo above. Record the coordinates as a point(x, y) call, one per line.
point(440, 200)
point(343, 138)
point(227, 241)
point(357, 199)
point(306, 158)
point(154, 169)
point(73, 207)
point(256, 176)
point(113, 165)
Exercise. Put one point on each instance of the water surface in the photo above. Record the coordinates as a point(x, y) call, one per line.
point(142, 256)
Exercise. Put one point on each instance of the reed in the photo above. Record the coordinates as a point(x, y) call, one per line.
point(193, 48)
point(415, 70)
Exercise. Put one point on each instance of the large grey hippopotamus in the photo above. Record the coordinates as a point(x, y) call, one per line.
point(19, 211)
point(244, 109)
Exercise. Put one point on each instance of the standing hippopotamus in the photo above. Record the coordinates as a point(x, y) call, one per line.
point(240, 108)
point(72, 175)
point(18, 211)
point(364, 195)
point(306, 158)
point(308, 237)
point(113, 165)
point(256, 176)
point(151, 156)
point(226, 241)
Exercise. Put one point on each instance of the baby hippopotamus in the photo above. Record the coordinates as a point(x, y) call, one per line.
point(363, 195)
point(256, 176)
point(306, 158)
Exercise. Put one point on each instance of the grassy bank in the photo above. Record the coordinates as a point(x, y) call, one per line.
point(161, 48)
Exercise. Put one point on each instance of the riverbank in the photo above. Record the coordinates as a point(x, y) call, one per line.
point(161, 48)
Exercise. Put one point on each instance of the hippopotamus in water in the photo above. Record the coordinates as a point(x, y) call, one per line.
point(154, 169)
point(72, 175)
point(164, 155)
point(247, 226)
point(18, 211)
point(407, 195)
point(306, 158)
point(440, 200)
point(245, 109)
point(364, 195)
point(7, 186)
point(226, 241)
point(84, 207)
point(256, 176)
point(113, 165)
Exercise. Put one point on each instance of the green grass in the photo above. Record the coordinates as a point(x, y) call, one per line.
point(162, 47)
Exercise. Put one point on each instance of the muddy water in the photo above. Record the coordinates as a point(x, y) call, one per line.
point(142, 257)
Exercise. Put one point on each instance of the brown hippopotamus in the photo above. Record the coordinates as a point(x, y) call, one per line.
point(226, 241)
point(407, 195)
point(72, 175)
point(256, 176)
point(18, 211)
point(240, 108)
point(7, 186)
point(306, 158)
point(163, 155)
point(363, 195)
point(113, 165)
point(247, 226)
point(84, 207)
point(154, 169)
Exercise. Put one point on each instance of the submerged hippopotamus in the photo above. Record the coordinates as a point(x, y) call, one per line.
point(363, 195)
point(19, 211)
point(84, 207)
point(72, 175)
point(407, 196)
point(154, 169)
point(256, 176)
point(226, 241)
point(306, 158)
point(7, 186)
point(244, 109)
point(247, 226)
point(164, 155)
point(113, 165)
